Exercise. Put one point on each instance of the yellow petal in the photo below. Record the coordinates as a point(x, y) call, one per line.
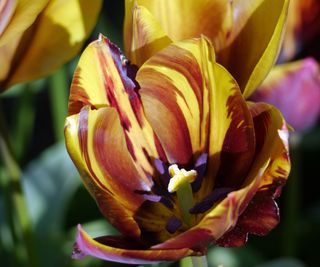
point(143, 35)
point(96, 144)
point(251, 55)
point(7, 52)
point(175, 98)
point(7, 8)
point(26, 12)
point(182, 19)
point(101, 79)
point(55, 38)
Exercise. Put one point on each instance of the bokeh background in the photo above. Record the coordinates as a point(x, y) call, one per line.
point(57, 201)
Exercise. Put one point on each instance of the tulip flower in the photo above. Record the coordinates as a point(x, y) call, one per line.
point(37, 37)
point(294, 88)
point(246, 34)
point(174, 156)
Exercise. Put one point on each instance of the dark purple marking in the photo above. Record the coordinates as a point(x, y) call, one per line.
point(173, 225)
point(150, 196)
point(208, 202)
point(200, 167)
point(130, 146)
point(167, 202)
point(127, 72)
point(160, 166)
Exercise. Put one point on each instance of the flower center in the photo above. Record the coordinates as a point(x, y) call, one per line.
point(180, 183)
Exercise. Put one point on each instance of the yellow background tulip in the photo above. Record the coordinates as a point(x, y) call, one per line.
point(36, 37)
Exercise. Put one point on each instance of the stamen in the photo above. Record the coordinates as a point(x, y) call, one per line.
point(180, 177)
point(181, 184)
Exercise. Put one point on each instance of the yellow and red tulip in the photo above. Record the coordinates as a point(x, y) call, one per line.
point(294, 88)
point(246, 34)
point(36, 37)
point(172, 153)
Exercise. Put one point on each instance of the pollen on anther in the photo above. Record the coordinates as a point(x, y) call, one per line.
point(179, 177)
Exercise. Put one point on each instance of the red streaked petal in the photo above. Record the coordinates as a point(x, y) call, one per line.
point(175, 98)
point(238, 145)
point(272, 139)
point(267, 175)
point(231, 139)
point(96, 142)
point(98, 137)
point(261, 216)
point(124, 252)
point(102, 79)
point(143, 35)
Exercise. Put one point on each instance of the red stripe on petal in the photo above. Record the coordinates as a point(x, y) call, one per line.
point(239, 144)
point(165, 116)
point(82, 99)
point(83, 141)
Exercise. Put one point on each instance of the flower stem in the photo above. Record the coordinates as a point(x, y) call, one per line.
point(58, 84)
point(13, 190)
point(195, 261)
point(199, 261)
point(292, 200)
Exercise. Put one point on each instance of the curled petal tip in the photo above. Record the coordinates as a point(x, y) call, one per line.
point(77, 252)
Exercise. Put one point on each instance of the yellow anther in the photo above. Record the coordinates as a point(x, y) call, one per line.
point(180, 177)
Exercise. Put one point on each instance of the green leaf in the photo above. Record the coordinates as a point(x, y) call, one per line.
point(50, 182)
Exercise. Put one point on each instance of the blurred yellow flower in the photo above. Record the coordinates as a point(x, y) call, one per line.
point(36, 37)
point(246, 34)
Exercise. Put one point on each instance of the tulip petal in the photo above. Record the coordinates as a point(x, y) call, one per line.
point(296, 82)
point(7, 52)
point(262, 213)
point(267, 175)
point(117, 249)
point(251, 55)
point(96, 143)
point(7, 8)
point(53, 39)
point(102, 79)
point(271, 135)
point(145, 37)
point(175, 99)
point(25, 13)
point(177, 18)
point(233, 144)
point(180, 92)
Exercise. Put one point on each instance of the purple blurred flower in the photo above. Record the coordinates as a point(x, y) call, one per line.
point(294, 88)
